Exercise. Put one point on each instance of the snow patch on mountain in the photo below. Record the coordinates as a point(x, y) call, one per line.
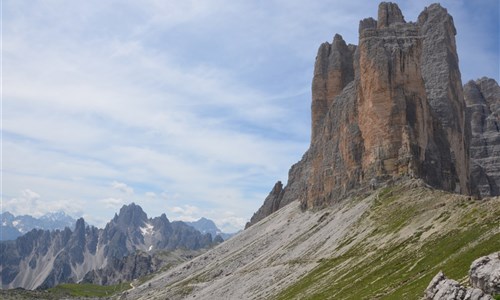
point(147, 230)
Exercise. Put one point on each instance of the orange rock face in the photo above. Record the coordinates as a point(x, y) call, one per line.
point(381, 125)
point(332, 72)
point(389, 108)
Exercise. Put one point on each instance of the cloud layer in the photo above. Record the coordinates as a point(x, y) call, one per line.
point(185, 107)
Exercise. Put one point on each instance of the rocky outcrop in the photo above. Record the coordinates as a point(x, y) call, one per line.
point(483, 108)
point(123, 250)
point(484, 273)
point(390, 108)
point(484, 276)
point(271, 204)
point(442, 288)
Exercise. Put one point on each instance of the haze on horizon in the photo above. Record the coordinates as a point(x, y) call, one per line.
point(193, 109)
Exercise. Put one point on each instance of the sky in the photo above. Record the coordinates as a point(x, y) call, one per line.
point(189, 108)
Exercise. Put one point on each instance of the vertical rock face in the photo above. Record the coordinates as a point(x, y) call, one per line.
point(394, 115)
point(389, 108)
point(333, 70)
point(383, 124)
point(443, 86)
point(483, 108)
point(334, 158)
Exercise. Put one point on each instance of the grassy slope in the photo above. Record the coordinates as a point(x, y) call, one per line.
point(66, 291)
point(89, 290)
point(408, 236)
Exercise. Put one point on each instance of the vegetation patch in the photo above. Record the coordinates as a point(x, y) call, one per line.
point(89, 290)
point(403, 267)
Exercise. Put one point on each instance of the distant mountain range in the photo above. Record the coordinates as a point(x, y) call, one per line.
point(205, 225)
point(130, 246)
point(13, 226)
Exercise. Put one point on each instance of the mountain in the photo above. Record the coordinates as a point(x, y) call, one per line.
point(398, 184)
point(205, 225)
point(127, 248)
point(393, 107)
point(15, 226)
point(386, 244)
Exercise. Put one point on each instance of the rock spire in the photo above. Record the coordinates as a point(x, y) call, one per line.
point(393, 107)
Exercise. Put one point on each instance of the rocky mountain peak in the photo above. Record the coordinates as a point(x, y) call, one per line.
point(57, 216)
point(333, 70)
point(7, 215)
point(402, 115)
point(393, 107)
point(164, 219)
point(367, 23)
point(131, 215)
point(434, 14)
point(80, 226)
point(388, 14)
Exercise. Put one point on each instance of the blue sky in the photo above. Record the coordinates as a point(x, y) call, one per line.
point(189, 108)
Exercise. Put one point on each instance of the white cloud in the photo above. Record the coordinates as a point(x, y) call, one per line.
point(114, 203)
point(29, 195)
point(122, 187)
point(31, 203)
point(206, 100)
point(26, 203)
point(187, 210)
point(231, 224)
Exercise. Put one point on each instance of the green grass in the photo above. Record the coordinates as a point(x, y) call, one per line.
point(403, 268)
point(89, 290)
point(397, 272)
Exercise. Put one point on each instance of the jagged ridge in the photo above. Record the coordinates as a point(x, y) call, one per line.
point(121, 251)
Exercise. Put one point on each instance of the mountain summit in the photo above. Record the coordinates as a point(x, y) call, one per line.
point(379, 204)
point(393, 107)
point(205, 225)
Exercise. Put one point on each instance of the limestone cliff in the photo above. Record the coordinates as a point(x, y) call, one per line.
point(483, 107)
point(391, 107)
point(332, 72)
